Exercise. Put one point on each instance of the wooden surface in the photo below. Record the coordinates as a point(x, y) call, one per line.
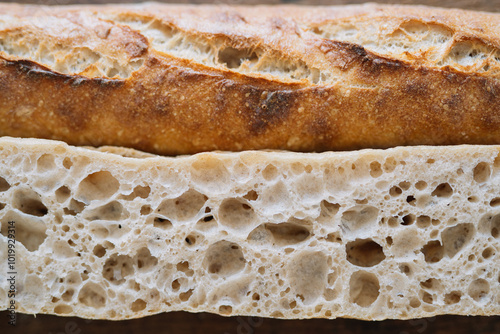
point(202, 323)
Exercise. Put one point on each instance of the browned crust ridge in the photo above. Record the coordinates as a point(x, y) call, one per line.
point(178, 105)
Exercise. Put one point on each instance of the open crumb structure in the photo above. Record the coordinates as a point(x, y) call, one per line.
point(116, 234)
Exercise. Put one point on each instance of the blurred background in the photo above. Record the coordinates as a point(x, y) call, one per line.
point(484, 5)
point(203, 323)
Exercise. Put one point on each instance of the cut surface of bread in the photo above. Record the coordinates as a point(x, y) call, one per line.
point(373, 234)
point(174, 79)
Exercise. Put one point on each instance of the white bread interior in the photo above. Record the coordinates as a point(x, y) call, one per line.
point(114, 234)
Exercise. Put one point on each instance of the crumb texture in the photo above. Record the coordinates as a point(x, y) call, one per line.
point(401, 233)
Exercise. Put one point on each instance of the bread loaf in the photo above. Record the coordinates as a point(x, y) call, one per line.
point(183, 79)
point(373, 234)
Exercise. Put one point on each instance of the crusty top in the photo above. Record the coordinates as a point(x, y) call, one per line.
point(174, 79)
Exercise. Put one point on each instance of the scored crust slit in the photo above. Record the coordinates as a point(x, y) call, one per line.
point(399, 233)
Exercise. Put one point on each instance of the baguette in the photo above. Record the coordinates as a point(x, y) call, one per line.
point(174, 79)
point(374, 234)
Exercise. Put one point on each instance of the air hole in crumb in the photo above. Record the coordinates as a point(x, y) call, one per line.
point(68, 295)
point(112, 211)
point(414, 303)
point(92, 295)
point(225, 309)
point(408, 219)
point(482, 172)
point(405, 185)
point(421, 185)
point(495, 202)
point(495, 231)
point(423, 221)
point(224, 258)
point(479, 289)
point(2, 205)
point(393, 221)
point(364, 253)
point(190, 240)
point(431, 284)
point(329, 209)
point(139, 191)
point(144, 260)
point(184, 267)
point(67, 163)
point(75, 207)
point(98, 186)
point(395, 191)
point(138, 305)
point(457, 237)
point(334, 237)
point(146, 210)
point(298, 168)
point(117, 267)
point(433, 251)
point(251, 196)
point(405, 269)
point(487, 253)
point(443, 190)
point(29, 202)
point(287, 233)
point(364, 288)
point(361, 201)
point(184, 296)
point(176, 285)
point(390, 165)
point(307, 274)
point(236, 214)
point(45, 163)
point(452, 297)
point(358, 217)
point(62, 194)
point(389, 241)
point(29, 231)
point(411, 200)
point(270, 172)
point(184, 207)
point(426, 297)
point(162, 223)
point(473, 199)
point(375, 169)
point(99, 251)
point(4, 185)
point(63, 309)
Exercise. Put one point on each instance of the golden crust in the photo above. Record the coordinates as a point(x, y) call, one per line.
point(290, 87)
